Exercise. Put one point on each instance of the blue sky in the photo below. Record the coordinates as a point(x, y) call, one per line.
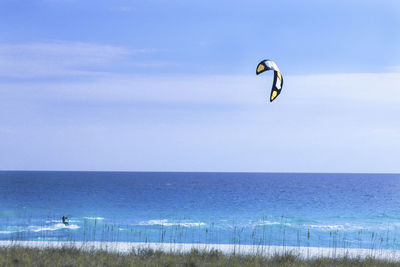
point(171, 85)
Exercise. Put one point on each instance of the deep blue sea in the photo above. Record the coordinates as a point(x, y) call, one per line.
point(297, 209)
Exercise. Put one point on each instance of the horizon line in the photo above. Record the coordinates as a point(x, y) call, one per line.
point(249, 172)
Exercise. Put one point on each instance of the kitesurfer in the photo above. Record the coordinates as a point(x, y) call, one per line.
point(64, 220)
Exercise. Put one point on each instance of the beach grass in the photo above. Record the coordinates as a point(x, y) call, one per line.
point(51, 228)
point(46, 247)
point(23, 256)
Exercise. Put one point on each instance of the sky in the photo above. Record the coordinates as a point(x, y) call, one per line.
point(170, 85)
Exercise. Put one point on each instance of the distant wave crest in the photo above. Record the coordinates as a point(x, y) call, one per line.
point(54, 227)
point(7, 232)
point(94, 218)
point(326, 227)
point(165, 222)
point(265, 222)
point(59, 221)
point(335, 227)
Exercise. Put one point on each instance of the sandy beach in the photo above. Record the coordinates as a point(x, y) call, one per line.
point(126, 247)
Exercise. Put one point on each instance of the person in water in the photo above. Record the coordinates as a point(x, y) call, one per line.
point(64, 220)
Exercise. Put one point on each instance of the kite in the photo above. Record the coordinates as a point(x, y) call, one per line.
point(278, 79)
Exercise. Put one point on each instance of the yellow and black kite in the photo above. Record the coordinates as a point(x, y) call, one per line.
point(278, 79)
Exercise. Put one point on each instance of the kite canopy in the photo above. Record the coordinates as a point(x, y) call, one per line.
point(278, 79)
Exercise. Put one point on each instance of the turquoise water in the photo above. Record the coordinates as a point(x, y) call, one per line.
point(327, 210)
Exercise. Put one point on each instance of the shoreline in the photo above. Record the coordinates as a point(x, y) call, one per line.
point(227, 249)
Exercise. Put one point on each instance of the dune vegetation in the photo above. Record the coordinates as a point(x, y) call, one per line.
point(19, 256)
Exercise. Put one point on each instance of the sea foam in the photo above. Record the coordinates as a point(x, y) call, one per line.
point(335, 227)
point(54, 227)
point(165, 222)
point(94, 218)
point(266, 223)
point(7, 232)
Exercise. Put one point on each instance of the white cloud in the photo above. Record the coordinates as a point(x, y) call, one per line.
point(394, 69)
point(48, 59)
point(359, 89)
point(337, 122)
point(352, 87)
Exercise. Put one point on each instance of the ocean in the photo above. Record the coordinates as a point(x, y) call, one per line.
point(285, 209)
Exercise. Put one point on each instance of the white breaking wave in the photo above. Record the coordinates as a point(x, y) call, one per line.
point(59, 221)
point(334, 227)
point(94, 218)
point(11, 230)
point(35, 228)
point(53, 221)
point(326, 227)
point(54, 227)
point(265, 222)
point(8, 232)
point(165, 222)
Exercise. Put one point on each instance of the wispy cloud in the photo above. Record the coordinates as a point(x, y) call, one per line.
point(394, 69)
point(203, 123)
point(358, 88)
point(48, 59)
